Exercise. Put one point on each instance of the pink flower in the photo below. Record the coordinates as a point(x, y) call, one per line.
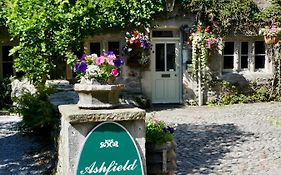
point(115, 72)
point(110, 60)
point(100, 60)
point(156, 119)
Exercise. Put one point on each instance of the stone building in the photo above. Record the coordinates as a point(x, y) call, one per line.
point(168, 79)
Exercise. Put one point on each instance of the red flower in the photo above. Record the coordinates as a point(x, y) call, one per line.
point(207, 29)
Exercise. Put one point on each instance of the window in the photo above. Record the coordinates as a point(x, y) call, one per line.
point(95, 48)
point(244, 55)
point(7, 61)
point(228, 55)
point(115, 47)
point(165, 57)
point(163, 34)
point(259, 55)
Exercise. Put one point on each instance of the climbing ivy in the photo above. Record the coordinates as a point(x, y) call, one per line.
point(53, 30)
point(272, 13)
point(225, 16)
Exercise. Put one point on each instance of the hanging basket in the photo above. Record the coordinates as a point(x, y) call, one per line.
point(270, 40)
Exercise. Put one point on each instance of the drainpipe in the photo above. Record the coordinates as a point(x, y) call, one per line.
point(200, 94)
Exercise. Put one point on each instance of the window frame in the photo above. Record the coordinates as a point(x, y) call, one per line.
point(265, 57)
point(251, 57)
point(241, 55)
point(233, 55)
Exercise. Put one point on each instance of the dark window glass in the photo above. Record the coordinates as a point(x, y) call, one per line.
point(7, 69)
point(228, 48)
point(244, 62)
point(95, 48)
point(259, 47)
point(114, 46)
point(244, 48)
point(160, 57)
point(259, 62)
point(162, 34)
point(6, 50)
point(171, 56)
point(228, 62)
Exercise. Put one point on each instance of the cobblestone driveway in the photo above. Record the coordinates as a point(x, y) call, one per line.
point(22, 154)
point(236, 139)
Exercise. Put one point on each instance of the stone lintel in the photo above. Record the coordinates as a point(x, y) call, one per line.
point(73, 114)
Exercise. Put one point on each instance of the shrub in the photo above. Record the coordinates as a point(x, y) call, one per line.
point(158, 132)
point(5, 95)
point(235, 94)
point(36, 110)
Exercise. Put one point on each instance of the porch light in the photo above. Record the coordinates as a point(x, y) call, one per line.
point(170, 5)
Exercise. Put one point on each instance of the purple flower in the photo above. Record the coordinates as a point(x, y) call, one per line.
point(118, 62)
point(171, 130)
point(108, 53)
point(147, 45)
point(81, 67)
point(83, 57)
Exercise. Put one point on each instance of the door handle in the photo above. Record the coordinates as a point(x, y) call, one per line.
point(176, 75)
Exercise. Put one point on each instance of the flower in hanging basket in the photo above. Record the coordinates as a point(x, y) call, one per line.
point(103, 69)
point(158, 132)
point(203, 37)
point(137, 48)
point(271, 33)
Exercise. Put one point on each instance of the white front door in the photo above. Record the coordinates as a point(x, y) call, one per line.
point(166, 78)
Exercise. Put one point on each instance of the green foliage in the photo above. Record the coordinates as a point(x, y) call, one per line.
point(142, 102)
point(158, 132)
point(2, 12)
point(5, 95)
point(272, 13)
point(54, 29)
point(225, 16)
point(235, 94)
point(36, 110)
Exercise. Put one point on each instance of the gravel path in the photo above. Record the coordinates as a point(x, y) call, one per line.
point(235, 139)
point(22, 154)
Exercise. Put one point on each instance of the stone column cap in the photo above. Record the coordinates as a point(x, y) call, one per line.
point(73, 114)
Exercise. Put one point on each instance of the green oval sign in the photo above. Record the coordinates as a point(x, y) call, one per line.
point(109, 149)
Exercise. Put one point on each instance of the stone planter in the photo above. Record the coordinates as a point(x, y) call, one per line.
point(96, 96)
point(270, 40)
point(161, 159)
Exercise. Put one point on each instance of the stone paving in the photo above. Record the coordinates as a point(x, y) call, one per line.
point(22, 154)
point(235, 139)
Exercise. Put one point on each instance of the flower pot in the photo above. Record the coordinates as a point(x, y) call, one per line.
point(161, 159)
point(270, 40)
point(98, 96)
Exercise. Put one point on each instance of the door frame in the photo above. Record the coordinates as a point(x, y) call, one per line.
point(179, 65)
